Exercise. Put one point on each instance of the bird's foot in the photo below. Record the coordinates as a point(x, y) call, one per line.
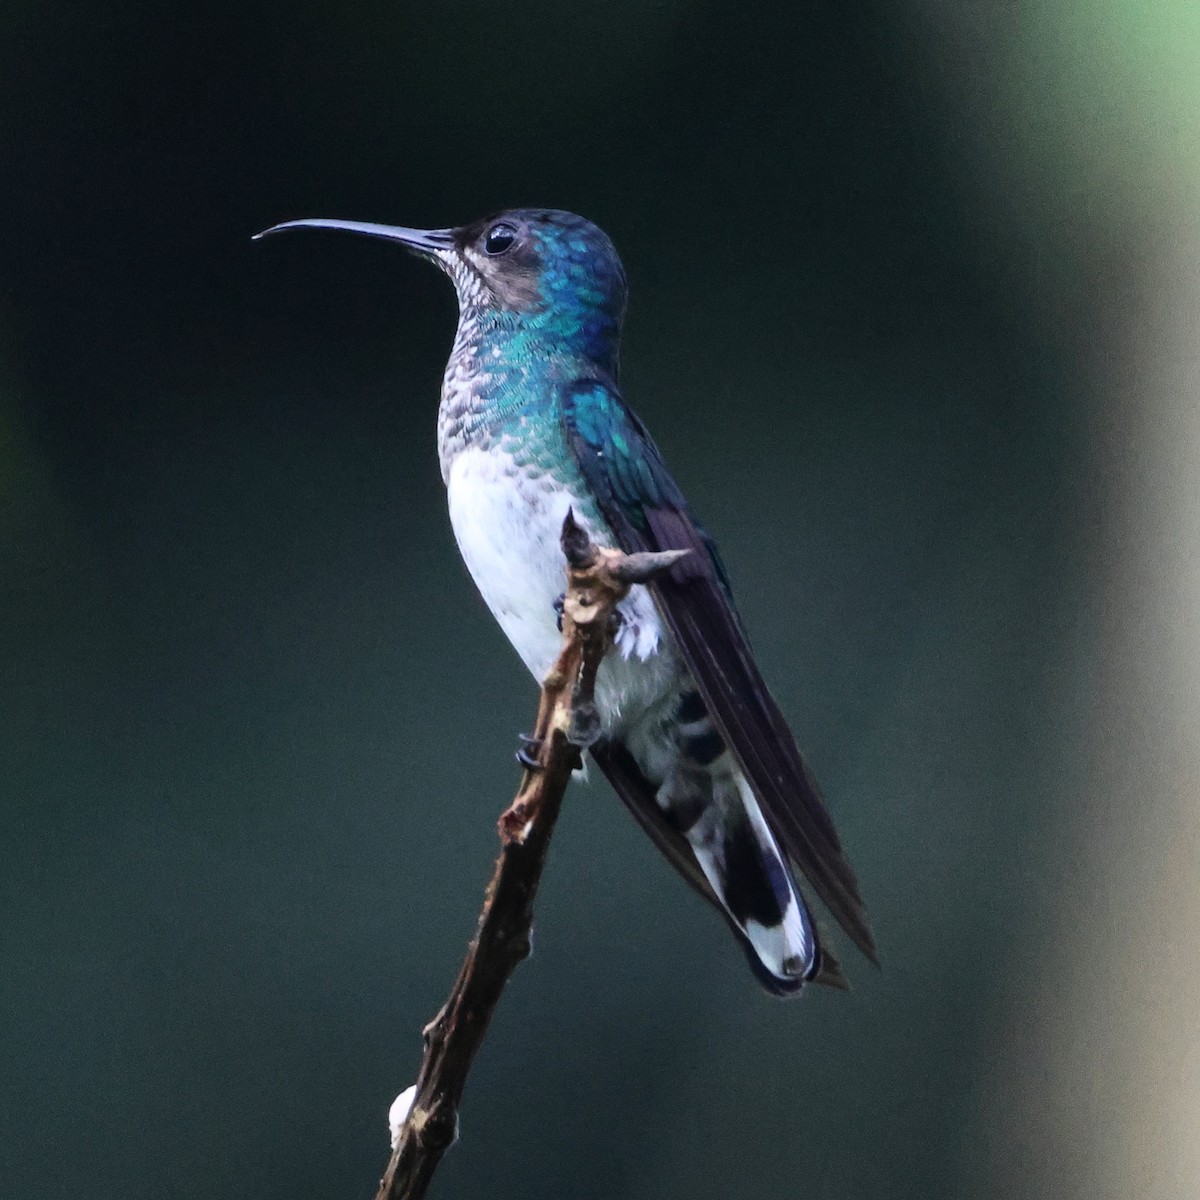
point(527, 753)
point(615, 619)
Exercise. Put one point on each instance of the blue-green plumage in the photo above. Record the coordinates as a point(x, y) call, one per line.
point(531, 423)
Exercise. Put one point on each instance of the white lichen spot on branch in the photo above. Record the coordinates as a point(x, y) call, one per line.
point(398, 1113)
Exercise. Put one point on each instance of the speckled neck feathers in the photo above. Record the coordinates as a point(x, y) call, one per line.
point(548, 314)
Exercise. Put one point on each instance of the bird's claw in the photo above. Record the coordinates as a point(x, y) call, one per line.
point(527, 753)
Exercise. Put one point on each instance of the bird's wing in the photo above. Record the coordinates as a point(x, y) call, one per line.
point(646, 511)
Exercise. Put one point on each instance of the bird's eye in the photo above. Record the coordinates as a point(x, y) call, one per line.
point(499, 238)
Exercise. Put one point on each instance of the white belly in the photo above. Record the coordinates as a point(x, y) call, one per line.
point(507, 527)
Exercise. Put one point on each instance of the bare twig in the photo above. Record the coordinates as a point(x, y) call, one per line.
point(567, 721)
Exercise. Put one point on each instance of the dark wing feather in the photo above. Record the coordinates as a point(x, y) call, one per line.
point(646, 511)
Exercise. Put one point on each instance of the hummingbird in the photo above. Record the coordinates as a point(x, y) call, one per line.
point(531, 425)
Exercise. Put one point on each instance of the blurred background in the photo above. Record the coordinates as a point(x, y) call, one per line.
point(915, 297)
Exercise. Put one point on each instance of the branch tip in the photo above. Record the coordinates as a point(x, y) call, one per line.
point(576, 544)
point(645, 565)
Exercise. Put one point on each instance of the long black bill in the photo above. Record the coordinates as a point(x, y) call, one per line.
point(423, 241)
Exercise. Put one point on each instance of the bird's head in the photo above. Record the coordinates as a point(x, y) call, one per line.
point(534, 270)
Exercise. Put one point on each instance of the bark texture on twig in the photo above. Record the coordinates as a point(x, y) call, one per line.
point(567, 721)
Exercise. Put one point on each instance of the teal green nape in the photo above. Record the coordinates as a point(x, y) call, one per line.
point(531, 425)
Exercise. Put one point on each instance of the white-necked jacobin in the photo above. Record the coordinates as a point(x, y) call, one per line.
point(532, 424)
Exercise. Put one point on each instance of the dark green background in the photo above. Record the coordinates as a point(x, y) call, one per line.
point(256, 725)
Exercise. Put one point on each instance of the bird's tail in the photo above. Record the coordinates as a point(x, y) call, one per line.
point(704, 816)
point(753, 883)
point(709, 799)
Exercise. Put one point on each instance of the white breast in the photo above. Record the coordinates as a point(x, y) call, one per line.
point(507, 526)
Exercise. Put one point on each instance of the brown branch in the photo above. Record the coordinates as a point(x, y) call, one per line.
point(567, 720)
